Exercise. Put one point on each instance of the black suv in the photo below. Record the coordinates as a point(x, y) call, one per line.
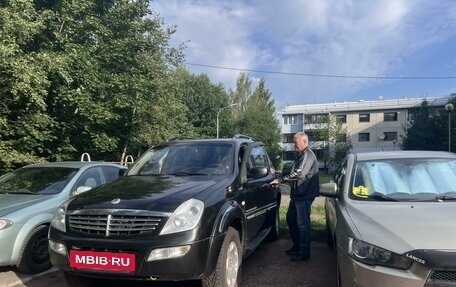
point(187, 209)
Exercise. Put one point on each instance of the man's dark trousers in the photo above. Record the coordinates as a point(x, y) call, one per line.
point(299, 224)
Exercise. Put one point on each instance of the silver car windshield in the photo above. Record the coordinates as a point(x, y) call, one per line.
point(405, 180)
point(36, 180)
point(186, 160)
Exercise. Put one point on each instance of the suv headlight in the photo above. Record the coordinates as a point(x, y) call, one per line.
point(372, 255)
point(58, 222)
point(5, 223)
point(185, 217)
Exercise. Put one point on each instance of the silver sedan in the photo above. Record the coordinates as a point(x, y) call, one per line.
point(390, 217)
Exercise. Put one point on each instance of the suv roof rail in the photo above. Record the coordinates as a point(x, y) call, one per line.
point(241, 136)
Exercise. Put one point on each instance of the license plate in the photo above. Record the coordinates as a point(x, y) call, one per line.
point(102, 260)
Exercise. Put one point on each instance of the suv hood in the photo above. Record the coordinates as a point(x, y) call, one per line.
point(405, 226)
point(13, 202)
point(144, 193)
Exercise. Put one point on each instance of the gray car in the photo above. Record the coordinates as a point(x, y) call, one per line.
point(29, 197)
point(390, 217)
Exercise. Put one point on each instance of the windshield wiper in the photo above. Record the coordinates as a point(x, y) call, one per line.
point(380, 197)
point(17, 191)
point(186, 173)
point(445, 197)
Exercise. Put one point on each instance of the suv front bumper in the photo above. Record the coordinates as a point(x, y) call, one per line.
point(190, 266)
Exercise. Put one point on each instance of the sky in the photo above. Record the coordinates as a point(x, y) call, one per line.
point(297, 42)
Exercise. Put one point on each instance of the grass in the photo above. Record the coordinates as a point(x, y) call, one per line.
point(317, 216)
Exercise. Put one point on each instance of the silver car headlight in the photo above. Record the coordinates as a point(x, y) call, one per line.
point(58, 222)
point(5, 223)
point(372, 255)
point(185, 217)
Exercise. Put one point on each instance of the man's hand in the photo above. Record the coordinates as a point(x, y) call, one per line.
point(274, 182)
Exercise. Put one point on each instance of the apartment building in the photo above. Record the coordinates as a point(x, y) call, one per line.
point(375, 125)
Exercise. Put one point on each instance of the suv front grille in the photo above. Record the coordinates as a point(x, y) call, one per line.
point(116, 224)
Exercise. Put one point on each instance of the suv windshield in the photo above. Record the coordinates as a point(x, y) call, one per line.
point(36, 180)
point(405, 180)
point(184, 159)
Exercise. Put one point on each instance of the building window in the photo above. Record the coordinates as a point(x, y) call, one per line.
point(288, 138)
point(390, 136)
point(364, 137)
point(341, 118)
point(364, 118)
point(390, 117)
point(292, 119)
point(314, 119)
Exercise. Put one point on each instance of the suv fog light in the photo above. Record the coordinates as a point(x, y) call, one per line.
point(58, 247)
point(167, 253)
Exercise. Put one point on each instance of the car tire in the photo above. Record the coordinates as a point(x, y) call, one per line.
point(35, 257)
point(227, 270)
point(273, 235)
point(74, 280)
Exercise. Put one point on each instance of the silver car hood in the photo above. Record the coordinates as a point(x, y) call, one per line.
point(401, 226)
point(13, 202)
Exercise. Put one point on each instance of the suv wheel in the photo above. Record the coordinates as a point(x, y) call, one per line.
point(226, 273)
point(35, 257)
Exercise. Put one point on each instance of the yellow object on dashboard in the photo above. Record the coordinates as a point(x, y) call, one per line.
point(361, 191)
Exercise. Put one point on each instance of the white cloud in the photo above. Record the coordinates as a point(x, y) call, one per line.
point(337, 37)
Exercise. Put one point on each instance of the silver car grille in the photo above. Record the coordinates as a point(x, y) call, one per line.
point(441, 279)
point(118, 224)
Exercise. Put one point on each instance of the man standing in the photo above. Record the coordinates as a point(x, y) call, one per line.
point(304, 183)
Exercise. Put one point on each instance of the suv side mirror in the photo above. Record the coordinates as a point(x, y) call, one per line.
point(258, 172)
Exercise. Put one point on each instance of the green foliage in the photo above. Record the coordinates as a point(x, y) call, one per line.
point(100, 77)
point(257, 118)
point(203, 100)
point(84, 76)
point(338, 143)
point(429, 128)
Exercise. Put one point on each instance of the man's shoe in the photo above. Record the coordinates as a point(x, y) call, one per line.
point(299, 258)
point(291, 251)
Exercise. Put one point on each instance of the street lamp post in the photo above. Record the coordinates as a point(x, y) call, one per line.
point(218, 114)
point(449, 108)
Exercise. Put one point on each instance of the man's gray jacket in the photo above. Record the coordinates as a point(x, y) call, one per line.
point(304, 178)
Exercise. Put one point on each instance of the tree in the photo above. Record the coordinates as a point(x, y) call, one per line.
point(239, 96)
point(256, 117)
point(85, 76)
point(260, 121)
point(337, 142)
point(203, 100)
point(427, 130)
point(25, 133)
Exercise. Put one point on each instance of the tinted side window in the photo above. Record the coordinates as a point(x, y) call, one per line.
point(111, 173)
point(257, 157)
point(91, 177)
